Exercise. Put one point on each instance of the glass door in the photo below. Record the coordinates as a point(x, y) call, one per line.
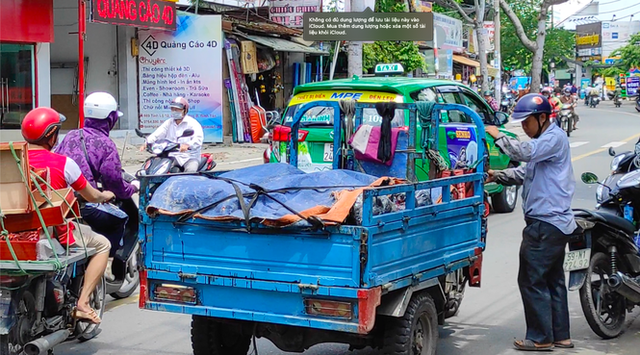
point(17, 83)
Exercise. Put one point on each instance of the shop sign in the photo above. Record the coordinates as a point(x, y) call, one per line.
point(186, 63)
point(289, 12)
point(589, 42)
point(633, 85)
point(155, 14)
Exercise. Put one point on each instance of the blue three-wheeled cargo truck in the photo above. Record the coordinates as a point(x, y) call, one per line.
point(362, 254)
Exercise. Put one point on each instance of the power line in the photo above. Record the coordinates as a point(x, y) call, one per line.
point(621, 18)
point(612, 11)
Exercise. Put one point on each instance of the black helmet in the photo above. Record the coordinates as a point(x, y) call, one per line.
point(530, 104)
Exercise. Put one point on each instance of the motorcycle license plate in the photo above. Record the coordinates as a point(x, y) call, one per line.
point(577, 260)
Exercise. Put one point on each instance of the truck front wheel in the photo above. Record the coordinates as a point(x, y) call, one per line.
point(209, 337)
point(416, 333)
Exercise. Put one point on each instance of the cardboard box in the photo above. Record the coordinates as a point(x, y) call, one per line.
point(63, 202)
point(14, 193)
point(44, 174)
point(249, 57)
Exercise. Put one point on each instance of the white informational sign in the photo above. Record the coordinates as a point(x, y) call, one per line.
point(187, 63)
point(453, 32)
point(489, 33)
point(289, 12)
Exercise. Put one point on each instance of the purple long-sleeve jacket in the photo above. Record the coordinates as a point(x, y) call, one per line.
point(103, 155)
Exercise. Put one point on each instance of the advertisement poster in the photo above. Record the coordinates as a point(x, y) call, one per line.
point(489, 35)
point(633, 85)
point(187, 63)
point(462, 146)
point(289, 12)
point(453, 32)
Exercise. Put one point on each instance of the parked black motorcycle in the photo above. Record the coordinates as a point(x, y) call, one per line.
point(163, 163)
point(604, 258)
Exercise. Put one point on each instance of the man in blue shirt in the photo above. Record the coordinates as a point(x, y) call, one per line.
point(548, 187)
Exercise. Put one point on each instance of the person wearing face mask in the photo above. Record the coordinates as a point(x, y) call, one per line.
point(98, 159)
point(548, 188)
point(189, 156)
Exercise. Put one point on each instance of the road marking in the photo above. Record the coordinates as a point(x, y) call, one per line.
point(121, 302)
point(635, 136)
point(577, 144)
point(617, 112)
point(613, 144)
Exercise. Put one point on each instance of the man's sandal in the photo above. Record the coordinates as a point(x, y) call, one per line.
point(91, 317)
point(560, 345)
point(529, 345)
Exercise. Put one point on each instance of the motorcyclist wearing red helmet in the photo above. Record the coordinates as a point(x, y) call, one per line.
point(40, 129)
point(189, 156)
point(548, 188)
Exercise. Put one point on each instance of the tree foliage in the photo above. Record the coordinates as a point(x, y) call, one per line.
point(405, 52)
point(629, 54)
point(559, 42)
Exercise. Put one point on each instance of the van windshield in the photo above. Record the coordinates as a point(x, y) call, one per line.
point(322, 117)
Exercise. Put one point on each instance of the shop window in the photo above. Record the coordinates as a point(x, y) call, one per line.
point(17, 83)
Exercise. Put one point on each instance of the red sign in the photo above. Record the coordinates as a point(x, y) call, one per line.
point(26, 21)
point(138, 13)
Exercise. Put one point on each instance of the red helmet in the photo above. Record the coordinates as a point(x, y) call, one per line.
point(180, 103)
point(40, 124)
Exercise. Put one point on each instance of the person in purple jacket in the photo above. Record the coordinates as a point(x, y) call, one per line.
point(97, 155)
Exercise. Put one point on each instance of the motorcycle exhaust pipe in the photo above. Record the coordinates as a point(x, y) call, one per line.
point(625, 286)
point(42, 345)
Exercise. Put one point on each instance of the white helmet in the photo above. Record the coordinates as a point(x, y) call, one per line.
point(100, 105)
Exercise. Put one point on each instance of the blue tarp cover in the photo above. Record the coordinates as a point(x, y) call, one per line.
point(296, 189)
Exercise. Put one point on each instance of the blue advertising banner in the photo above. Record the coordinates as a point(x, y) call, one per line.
point(462, 146)
point(633, 85)
point(186, 62)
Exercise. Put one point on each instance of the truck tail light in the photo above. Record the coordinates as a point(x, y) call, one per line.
point(144, 290)
point(283, 134)
point(475, 269)
point(174, 293)
point(327, 308)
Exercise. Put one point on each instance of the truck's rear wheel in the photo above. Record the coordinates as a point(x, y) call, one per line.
point(416, 333)
point(209, 337)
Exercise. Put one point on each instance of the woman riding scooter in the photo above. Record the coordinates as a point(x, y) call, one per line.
point(97, 156)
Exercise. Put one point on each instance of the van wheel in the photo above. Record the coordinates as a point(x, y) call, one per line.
point(505, 201)
point(416, 333)
point(209, 337)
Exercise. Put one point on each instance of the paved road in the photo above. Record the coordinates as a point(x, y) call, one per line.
point(490, 317)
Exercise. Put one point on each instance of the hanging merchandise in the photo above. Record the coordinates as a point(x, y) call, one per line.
point(241, 94)
point(277, 83)
point(232, 108)
point(258, 117)
point(249, 57)
point(265, 60)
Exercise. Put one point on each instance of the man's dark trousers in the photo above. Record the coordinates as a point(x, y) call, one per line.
point(542, 282)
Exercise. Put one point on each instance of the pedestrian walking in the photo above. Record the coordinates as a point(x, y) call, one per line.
point(548, 187)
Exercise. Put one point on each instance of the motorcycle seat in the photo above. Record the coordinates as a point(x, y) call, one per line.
point(608, 218)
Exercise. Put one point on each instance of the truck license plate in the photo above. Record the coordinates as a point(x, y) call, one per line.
point(577, 260)
point(328, 152)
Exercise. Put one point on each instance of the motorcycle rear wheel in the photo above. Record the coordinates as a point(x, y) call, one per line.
point(604, 310)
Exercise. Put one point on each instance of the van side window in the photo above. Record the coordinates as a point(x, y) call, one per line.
point(454, 116)
point(426, 94)
point(480, 107)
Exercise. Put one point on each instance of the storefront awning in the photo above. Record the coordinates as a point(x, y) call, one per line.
point(283, 45)
point(466, 61)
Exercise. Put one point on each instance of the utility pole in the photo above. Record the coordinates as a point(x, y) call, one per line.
point(496, 45)
point(355, 47)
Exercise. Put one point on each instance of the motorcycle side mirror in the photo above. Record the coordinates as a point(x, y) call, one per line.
point(612, 152)
point(589, 178)
point(187, 133)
